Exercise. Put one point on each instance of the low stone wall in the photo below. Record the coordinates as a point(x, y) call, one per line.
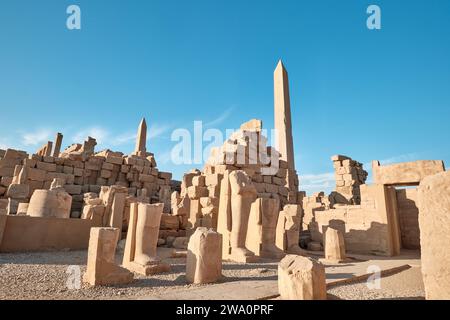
point(27, 234)
point(369, 228)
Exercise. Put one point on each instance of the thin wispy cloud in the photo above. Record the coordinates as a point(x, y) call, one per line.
point(123, 138)
point(317, 182)
point(220, 119)
point(37, 137)
point(156, 131)
point(99, 133)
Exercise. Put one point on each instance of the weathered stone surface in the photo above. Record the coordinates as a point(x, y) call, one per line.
point(204, 257)
point(405, 173)
point(301, 278)
point(434, 222)
point(50, 203)
point(142, 239)
point(261, 234)
point(243, 193)
point(101, 268)
point(334, 246)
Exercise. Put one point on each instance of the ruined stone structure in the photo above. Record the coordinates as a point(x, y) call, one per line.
point(349, 176)
point(334, 246)
point(204, 257)
point(80, 183)
point(84, 171)
point(301, 278)
point(101, 266)
point(142, 239)
point(434, 219)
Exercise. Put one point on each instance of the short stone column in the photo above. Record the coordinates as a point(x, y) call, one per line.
point(301, 278)
point(204, 257)
point(334, 246)
point(142, 239)
point(101, 266)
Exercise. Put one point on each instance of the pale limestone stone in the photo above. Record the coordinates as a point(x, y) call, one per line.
point(142, 239)
point(204, 257)
point(101, 268)
point(243, 193)
point(288, 229)
point(434, 222)
point(301, 278)
point(261, 234)
point(141, 139)
point(334, 246)
point(54, 203)
point(282, 114)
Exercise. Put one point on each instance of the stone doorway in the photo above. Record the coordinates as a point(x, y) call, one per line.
point(408, 216)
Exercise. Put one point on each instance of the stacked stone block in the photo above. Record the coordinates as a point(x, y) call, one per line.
point(349, 176)
point(85, 173)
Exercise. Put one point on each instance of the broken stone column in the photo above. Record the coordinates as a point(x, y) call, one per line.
point(261, 234)
point(349, 175)
point(288, 229)
point(101, 267)
point(334, 246)
point(58, 143)
point(142, 239)
point(301, 278)
point(54, 203)
point(243, 193)
point(204, 257)
point(434, 222)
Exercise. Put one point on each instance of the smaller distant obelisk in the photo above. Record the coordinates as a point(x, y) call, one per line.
point(141, 140)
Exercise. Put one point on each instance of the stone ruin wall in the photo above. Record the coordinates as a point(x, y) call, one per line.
point(86, 175)
point(198, 201)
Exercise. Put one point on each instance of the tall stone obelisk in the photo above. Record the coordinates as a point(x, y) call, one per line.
point(282, 115)
point(141, 139)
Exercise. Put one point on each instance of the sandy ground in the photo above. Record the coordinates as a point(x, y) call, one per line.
point(45, 276)
point(406, 285)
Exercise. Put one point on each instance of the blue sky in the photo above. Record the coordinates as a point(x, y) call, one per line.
point(382, 94)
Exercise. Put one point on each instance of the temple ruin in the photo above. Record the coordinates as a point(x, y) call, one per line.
point(243, 207)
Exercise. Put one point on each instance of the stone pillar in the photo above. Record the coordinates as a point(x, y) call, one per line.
point(224, 216)
point(243, 193)
point(334, 246)
point(141, 139)
point(288, 229)
point(301, 278)
point(204, 257)
point(58, 144)
point(101, 267)
point(142, 239)
point(434, 223)
point(261, 234)
point(282, 115)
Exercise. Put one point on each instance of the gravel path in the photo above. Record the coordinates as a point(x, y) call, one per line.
point(43, 276)
point(406, 285)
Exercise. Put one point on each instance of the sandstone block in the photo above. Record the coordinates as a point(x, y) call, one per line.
point(301, 278)
point(434, 222)
point(204, 257)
